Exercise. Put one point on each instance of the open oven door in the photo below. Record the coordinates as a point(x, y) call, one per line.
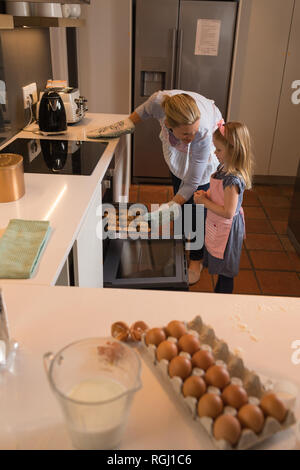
point(145, 264)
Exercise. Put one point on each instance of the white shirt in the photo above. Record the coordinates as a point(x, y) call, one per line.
point(192, 163)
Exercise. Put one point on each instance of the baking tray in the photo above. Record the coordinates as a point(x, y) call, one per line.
point(118, 221)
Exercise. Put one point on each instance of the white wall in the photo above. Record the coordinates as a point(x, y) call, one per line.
point(104, 56)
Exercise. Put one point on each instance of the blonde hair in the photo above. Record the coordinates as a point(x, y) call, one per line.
point(237, 141)
point(180, 109)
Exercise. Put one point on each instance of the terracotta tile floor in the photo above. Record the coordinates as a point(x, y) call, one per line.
point(269, 264)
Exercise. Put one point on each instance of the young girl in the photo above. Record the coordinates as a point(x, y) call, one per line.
point(225, 225)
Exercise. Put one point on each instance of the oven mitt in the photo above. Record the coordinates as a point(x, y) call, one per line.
point(21, 247)
point(114, 130)
point(165, 213)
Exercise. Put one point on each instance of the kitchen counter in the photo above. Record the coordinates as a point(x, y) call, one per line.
point(60, 315)
point(62, 199)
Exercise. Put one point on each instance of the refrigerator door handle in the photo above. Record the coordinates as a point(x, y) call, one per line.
point(179, 55)
point(173, 58)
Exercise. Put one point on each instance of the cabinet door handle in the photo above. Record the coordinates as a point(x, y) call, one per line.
point(173, 58)
point(179, 56)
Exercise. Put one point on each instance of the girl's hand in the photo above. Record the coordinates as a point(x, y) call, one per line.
point(200, 197)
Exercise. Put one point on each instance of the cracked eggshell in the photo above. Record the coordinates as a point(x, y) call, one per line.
point(137, 330)
point(120, 331)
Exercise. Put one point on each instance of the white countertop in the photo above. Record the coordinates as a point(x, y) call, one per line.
point(48, 318)
point(61, 199)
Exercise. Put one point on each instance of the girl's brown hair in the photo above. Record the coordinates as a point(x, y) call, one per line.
point(180, 109)
point(237, 141)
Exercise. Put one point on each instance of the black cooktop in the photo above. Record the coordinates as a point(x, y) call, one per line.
point(66, 157)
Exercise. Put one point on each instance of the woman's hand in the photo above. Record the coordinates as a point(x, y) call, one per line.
point(200, 197)
point(166, 212)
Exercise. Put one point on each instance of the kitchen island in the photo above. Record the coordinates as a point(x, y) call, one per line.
point(66, 200)
point(44, 319)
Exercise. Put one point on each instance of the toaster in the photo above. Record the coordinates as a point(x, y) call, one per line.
point(75, 105)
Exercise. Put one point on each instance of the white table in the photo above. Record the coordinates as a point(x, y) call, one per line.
point(47, 318)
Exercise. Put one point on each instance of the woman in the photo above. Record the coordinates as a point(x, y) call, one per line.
point(187, 122)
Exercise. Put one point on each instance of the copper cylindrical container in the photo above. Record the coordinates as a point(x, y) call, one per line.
point(12, 186)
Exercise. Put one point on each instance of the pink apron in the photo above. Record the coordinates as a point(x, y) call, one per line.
point(217, 228)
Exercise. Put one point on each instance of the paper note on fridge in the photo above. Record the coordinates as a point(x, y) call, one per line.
point(207, 37)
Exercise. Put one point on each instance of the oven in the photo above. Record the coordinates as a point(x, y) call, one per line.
point(136, 256)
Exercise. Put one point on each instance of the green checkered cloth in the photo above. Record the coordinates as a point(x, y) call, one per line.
point(21, 247)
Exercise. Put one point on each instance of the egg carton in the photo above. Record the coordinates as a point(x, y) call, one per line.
point(239, 375)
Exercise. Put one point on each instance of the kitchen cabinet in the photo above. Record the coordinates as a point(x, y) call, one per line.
point(87, 250)
point(46, 22)
point(11, 22)
point(293, 229)
point(285, 152)
point(6, 22)
point(56, 1)
point(104, 74)
point(259, 66)
point(64, 277)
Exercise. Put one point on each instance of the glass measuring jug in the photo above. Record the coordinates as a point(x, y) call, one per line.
point(94, 380)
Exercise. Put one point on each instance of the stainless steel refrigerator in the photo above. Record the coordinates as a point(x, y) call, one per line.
point(179, 44)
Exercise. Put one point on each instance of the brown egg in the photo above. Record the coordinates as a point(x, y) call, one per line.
point(227, 427)
point(217, 376)
point(180, 366)
point(166, 350)
point(194, 386)
point(273, 406)
point(210, 405)
point(176, 329)
point(137, 330)
point(155, 336)
point(189, 343)
point(203, 359)
point(120, 331)
point(235, 395)
point(251, 416)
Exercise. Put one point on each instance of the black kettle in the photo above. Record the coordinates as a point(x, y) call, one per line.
point(52, 114)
